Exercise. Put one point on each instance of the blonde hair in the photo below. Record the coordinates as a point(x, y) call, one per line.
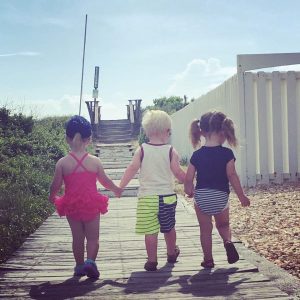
point(155, 122)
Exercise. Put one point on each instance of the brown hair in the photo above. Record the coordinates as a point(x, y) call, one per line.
point(198, 128)
point(195, 133)
point(220, 122)
point(212, 122)
point(229, 132)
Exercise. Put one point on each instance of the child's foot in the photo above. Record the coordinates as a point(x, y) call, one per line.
point(150, 265)
point(173, 257)
point(78, 270)
point(91, 270)
point(232, 254)
point(208, 264)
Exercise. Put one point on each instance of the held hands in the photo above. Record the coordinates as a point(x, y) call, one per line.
point(118, 192)
point(189, 191)
point(52, 199)
point(245, 201)
point(190, 195)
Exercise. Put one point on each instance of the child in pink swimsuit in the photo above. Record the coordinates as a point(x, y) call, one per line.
point(81, 203)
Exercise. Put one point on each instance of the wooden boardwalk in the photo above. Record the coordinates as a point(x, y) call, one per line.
point(42, 268)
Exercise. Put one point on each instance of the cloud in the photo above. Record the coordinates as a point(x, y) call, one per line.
point(199, 76)
point(65, 105)
point(24, 53)
point(110, 111)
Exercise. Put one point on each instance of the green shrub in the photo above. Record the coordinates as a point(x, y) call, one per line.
point(29, 150)
point(142, 138)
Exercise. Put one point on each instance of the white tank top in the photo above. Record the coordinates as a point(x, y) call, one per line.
point(156, 177)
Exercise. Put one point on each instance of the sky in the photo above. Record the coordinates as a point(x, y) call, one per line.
point(145, 49)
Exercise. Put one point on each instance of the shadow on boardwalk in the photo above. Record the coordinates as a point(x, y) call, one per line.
point(41, 268)
point(201, 284)
point(137, 282)
point(198, 285)
point(68, 289)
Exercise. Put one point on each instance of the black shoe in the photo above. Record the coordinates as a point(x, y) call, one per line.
point(232, 255)
point(150, 266)
point(173, 258)
point(208, 264)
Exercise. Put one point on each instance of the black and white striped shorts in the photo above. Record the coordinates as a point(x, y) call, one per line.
point(166, 213)
point(211, 201)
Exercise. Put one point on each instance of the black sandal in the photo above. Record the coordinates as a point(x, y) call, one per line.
point(173, 257)
point(208, 264)
point(150, 265)
point(232, 254)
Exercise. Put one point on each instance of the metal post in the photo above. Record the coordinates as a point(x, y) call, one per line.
point(95, 94)
point(82, 71)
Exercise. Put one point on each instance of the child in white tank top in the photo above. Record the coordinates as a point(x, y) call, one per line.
point(158, 163)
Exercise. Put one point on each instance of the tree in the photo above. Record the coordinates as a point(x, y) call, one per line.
point(169, 105)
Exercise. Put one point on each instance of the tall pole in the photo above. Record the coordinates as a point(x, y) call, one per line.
point(82, 71)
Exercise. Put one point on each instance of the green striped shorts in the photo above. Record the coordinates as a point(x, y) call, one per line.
point(155, 213)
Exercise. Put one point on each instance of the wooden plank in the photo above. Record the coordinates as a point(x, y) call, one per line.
point(42, 268)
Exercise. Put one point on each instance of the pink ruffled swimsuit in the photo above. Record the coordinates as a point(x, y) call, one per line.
point(81, 201)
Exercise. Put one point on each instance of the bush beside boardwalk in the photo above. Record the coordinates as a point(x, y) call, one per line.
point(29, 149)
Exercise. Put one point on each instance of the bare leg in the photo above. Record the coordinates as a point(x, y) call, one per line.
point(170, 238)
point(77, 230)
point(222, 224)
point(151, 246)
point(205, 222)
point(92, 235)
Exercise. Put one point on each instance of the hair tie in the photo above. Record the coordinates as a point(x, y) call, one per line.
point(78, 124)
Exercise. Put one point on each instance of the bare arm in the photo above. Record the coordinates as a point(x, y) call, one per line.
point(235, 183)
point(56, 182)
point(175, 167)
point(106, 181)
point(189, 180)
point(132, 168)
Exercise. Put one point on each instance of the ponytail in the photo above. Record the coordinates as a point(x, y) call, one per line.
point(195, 133)
point(228, 129)
point(77, 141)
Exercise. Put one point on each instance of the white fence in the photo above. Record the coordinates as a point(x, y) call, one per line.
point(265, 108)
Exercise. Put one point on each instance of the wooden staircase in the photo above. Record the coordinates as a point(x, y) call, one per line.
point(114, 131)
point(115, 159)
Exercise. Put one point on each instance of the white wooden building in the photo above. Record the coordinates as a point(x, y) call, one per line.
point(265, 107)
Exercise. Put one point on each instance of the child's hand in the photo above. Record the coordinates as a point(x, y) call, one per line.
point(190, 195)
point(245, 201)
point(118, 192)
point(189, 191)
point(52, 199)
